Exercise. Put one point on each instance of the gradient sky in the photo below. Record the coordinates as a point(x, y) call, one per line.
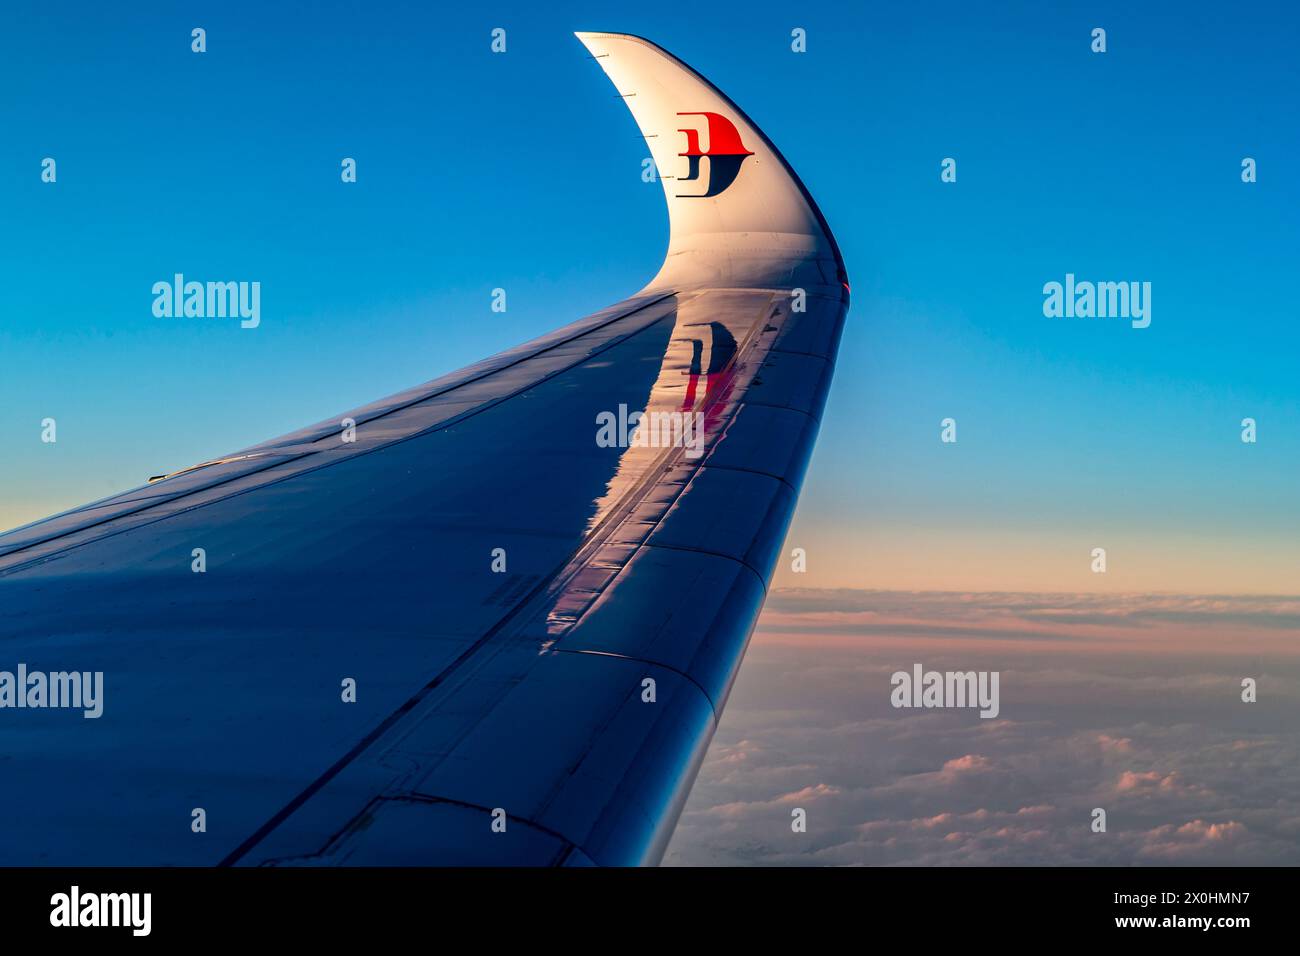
point(522, 171)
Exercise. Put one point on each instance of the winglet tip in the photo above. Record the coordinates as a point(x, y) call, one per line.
point(586, 36)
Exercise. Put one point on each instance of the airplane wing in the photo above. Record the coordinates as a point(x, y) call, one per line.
point(493, 619)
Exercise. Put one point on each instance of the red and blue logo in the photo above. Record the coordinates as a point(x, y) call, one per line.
point(725, 154)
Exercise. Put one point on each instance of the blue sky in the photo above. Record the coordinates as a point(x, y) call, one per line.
point(522, 171)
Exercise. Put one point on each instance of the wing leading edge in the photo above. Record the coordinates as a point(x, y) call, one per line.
point(541, 607)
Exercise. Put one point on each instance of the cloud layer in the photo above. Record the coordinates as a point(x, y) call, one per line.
point(1127, 704)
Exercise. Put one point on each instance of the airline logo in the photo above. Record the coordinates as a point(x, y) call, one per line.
point(725, 154)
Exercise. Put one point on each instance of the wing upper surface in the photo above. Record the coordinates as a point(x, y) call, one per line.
point(542, 606)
